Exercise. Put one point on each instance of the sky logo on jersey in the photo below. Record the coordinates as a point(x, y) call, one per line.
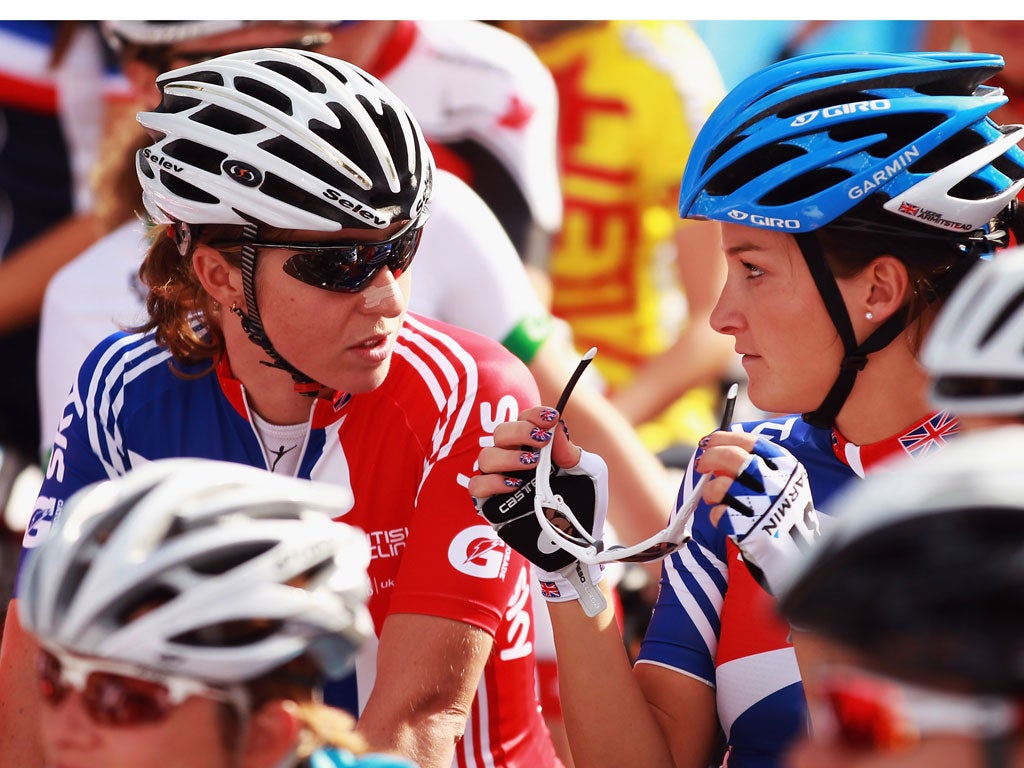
point(477, 551)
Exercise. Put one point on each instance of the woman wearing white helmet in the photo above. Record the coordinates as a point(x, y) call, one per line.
point(187, 615)
point(292, 189)
point(917, 595)
point(974, 353)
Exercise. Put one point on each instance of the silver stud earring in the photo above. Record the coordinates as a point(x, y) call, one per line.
point(869, 316)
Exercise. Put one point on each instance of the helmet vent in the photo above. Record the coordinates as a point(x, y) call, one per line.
point(1009, 311)
point(299, 76)
point(807, 185)
point(265, 93)
point(957, 146)
point(222, 560)
point(231, 634)
point(300, 157)
point(134, 605)
point(752, 167)
point(227, 121)
point(185, 190)
point(894, 133)
point(193, 153)
point(1008, 167)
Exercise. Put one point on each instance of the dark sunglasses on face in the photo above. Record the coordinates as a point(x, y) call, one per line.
point(122, 695)
point(343, 267)
point(164, 58)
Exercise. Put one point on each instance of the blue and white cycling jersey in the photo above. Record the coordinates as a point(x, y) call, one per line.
point(715, 623)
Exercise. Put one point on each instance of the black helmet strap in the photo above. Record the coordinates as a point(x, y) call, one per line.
point(252, 323)
point(854, 355)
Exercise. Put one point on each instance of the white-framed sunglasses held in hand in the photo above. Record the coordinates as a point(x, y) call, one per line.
point(556, 518)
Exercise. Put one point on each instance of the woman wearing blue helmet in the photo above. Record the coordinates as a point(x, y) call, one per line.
point(854, 191)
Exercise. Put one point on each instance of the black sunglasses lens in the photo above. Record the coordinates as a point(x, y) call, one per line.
point(350, 268)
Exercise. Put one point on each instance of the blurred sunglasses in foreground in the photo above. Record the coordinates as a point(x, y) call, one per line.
point(121, 694)
point(558, 521)
point(864, 711)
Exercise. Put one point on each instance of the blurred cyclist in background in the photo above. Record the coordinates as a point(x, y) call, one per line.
point(187, 615)
point(916, 594)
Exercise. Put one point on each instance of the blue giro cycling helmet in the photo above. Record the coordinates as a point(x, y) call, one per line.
point(803, 142)
point(878, 142)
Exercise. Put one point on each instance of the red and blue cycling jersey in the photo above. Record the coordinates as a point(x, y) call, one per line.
point(406, 449)
point(715, 623)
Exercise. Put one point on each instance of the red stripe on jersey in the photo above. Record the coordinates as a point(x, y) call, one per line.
point(490, 719)
point(750, 621)
point(27, 94)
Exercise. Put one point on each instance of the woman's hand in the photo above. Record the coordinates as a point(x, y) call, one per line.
point(512, 460)
point(573, 500)
point(761, 495)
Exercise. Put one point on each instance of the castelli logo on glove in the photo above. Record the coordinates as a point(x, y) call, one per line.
point(241, 172)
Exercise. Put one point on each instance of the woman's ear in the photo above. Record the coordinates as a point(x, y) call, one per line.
point(272, 733)
point(218, 277)
point(888, 284)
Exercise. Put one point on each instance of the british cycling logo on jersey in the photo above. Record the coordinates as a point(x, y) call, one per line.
point(241, 172)
point(477, 551)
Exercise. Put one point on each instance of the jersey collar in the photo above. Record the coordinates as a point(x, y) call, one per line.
point(325, 410)
point(922, 439)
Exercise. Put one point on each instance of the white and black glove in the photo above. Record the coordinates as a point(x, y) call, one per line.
point(584, 488)
point(771, 514)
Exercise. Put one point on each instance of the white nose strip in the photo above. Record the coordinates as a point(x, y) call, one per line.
point(374, 296)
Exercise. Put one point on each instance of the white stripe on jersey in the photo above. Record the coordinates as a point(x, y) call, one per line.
point(100, 394)
point(707, 586)
point(479, 721)
point(745, 681)
point(467, 399)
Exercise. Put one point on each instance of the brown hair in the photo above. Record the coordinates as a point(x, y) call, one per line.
point(182, 315)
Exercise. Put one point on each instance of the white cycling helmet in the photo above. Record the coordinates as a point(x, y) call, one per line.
point(975, 349)
point(922, 572)
point(288, 138)
point(208, 569)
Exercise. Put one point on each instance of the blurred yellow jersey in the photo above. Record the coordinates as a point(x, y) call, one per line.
point(632, 97)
